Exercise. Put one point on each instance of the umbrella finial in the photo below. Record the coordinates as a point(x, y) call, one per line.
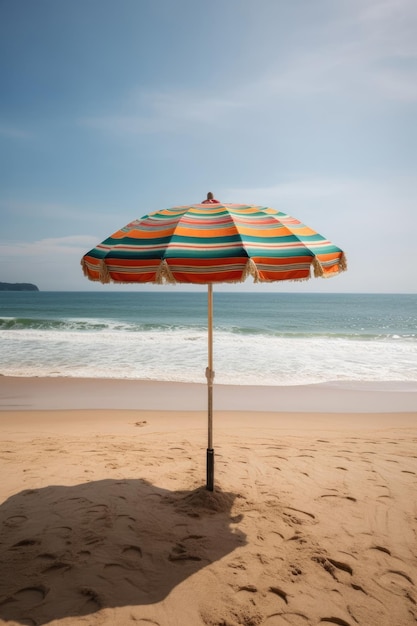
point(210, 199)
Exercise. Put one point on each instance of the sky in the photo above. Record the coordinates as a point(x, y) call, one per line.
point(112, 109)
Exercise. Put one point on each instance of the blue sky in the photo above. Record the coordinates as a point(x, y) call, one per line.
point(111, 109)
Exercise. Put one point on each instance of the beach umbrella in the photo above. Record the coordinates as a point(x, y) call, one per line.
point(210, 243)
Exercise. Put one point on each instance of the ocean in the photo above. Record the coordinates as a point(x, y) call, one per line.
point(259, 338)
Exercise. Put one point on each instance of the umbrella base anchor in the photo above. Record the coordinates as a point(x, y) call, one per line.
point(210, 469)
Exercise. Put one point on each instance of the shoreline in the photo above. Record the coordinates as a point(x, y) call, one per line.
point(66, 393)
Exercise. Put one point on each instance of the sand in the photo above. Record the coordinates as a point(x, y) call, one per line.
point(105, 519)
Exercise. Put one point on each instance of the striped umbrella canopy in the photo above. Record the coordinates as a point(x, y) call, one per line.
point(213, 243)
point(210, 243)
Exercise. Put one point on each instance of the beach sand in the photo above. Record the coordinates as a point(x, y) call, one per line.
point(105, 520)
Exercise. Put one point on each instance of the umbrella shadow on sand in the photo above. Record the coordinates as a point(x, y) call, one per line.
point(71, 551)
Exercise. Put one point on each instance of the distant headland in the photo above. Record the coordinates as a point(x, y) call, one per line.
point(18, 287)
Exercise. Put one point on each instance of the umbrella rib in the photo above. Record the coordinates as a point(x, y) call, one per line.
point(317, 266)
point(251, 268)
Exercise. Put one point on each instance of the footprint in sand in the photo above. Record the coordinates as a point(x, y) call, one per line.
point(280, 593)
point(15, 520)
point(188, 549)
point(295, 570)
point(132, 552)
point(63, 532)
point(91, 602)
point(342, 566)
point(296, 517)
point(331, 565)
point(396, 581)
point(237, 564)
point(31, 596)
point(334, 495)
point(286, 619)
point(98, 513)
point(180, 553)
point(247, 590)
point(334, 620)
point(125, 522)
point(381, 549)
point(28, 597)
point(48, 556)
point(56, 567)
point(297, 537)
point(25, 543)
point(115, 567)
point(305, 514)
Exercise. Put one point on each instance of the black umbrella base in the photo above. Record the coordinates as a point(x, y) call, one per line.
point(210, 469)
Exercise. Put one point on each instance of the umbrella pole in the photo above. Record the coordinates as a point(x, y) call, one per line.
point(210, 378)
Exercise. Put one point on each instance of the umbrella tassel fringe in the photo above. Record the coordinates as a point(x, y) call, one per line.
point(85, 270)
point(164, 274)
point(104, 274)
point(251, 270)
point(318, 268)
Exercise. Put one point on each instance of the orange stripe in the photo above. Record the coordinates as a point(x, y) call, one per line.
point(286, 261)
point(207, 262)
point(201, 232)
point(290, 275)
point(329, 256)
point(133, 262)
point(144, 234)
point(124, 277)
point(203, 279)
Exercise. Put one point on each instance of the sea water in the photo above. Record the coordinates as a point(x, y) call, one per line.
point(259, 338)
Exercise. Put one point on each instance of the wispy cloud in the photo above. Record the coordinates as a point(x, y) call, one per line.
point(156, 112)
point(49, 263)
point(47, 210)
point(73, 245)
point(387, 204)
point(373, 221)
point(55, 213)
point(367, 49)
point(300, 189)
point(12, 132)
point(320, 187)
point(400, 85)
point(401, 15)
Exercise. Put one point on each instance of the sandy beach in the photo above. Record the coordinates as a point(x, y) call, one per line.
point(105, 520)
